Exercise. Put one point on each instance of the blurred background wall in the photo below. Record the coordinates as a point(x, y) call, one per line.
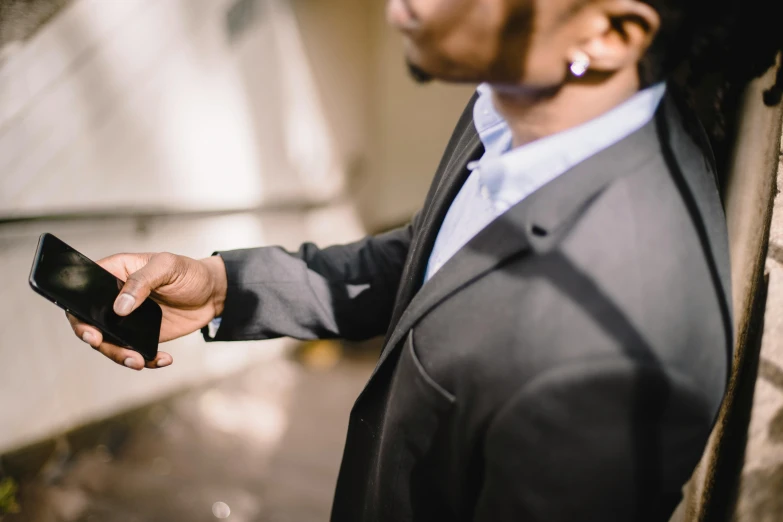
point(190, 126)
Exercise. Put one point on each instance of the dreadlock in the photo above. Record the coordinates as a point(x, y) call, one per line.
point(709, 50)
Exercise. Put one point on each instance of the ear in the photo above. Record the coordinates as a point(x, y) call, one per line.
point(616, 34)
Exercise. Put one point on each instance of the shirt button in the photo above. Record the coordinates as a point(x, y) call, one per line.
point(484, 192)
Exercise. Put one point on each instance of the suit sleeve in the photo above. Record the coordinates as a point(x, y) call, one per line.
point(344, 291)
point(603, 441)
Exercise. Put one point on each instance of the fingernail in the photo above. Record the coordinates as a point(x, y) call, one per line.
point(88, 338)
point(124, 304)
point(130, 362)
point(162, 363)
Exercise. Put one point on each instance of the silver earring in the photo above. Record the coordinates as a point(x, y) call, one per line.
point(580, 64)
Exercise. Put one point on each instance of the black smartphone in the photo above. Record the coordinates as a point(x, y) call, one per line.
point(87, 291)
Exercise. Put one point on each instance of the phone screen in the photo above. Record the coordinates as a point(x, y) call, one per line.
point(88, 291)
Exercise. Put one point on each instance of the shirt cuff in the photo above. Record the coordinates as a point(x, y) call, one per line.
point(213, 326)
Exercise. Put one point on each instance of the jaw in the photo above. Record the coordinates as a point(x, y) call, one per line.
point(467, 49)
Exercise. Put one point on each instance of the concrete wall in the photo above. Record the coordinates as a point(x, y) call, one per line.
point(150, 106)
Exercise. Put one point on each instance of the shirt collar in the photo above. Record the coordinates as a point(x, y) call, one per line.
point(507, 175)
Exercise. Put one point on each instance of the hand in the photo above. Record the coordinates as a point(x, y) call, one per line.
point(190, 292)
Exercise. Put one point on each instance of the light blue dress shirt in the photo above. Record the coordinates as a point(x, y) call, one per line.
point(503, 177)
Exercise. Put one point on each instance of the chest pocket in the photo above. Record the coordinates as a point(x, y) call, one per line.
point(411, 382)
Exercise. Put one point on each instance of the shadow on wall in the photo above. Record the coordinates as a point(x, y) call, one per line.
point(155, 106)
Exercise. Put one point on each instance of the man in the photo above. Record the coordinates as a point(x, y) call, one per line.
point(557, 318)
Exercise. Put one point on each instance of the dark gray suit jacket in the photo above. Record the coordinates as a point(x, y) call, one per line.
point(567, 364)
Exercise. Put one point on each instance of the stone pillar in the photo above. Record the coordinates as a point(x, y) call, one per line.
point(760, 496)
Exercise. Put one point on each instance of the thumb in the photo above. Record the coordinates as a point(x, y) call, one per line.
point(159, 271)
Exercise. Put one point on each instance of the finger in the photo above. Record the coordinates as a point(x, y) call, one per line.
point(122, 356)
point(121, 265)
point(162, 360)
point(160, 270)
point(85, 332)
point(94, 338)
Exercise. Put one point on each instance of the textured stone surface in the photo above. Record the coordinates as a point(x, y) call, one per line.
point(761, 487)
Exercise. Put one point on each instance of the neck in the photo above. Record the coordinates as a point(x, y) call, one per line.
point(532, 116)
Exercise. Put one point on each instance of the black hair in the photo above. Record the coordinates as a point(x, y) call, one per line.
point(709, 50)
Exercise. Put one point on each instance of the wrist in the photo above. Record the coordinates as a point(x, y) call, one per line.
point(217, 272)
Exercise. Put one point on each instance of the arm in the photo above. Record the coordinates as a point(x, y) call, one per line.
point(261, 293)
point(607, 440)
point(345, 291)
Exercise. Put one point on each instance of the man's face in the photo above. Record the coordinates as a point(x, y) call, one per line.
point(520, 43)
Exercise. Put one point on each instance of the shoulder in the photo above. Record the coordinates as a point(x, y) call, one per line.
point(636, 277)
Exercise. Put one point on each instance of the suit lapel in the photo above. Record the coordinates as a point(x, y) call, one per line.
point(489, 248)
point(536, 224)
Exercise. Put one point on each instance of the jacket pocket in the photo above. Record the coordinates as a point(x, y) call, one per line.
point(427, 384)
